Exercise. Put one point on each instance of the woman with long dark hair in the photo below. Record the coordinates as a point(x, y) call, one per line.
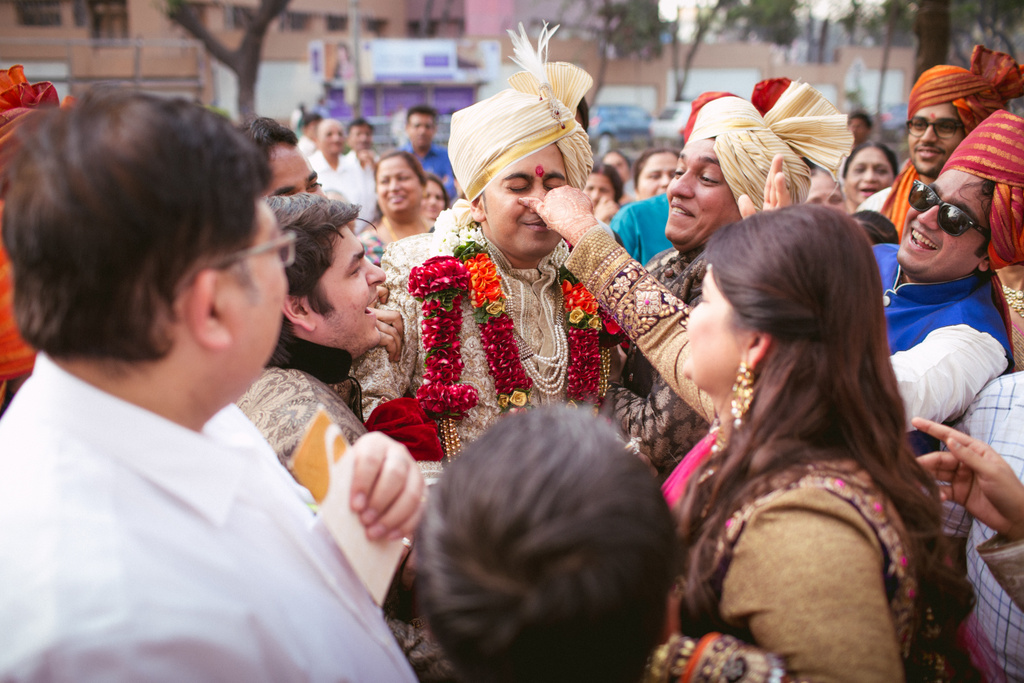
point(812, 539)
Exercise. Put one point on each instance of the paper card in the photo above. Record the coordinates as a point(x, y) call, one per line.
point(322, 449)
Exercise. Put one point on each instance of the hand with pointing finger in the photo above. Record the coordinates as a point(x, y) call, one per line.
point(978, 478)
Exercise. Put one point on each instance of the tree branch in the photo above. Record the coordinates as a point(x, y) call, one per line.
point(182, 14)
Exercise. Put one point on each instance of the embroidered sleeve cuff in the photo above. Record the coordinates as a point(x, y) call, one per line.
point(715, 657)
point(635, 299)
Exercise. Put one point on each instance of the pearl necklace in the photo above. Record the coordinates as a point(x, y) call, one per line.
point(550, 381)
point(1015, 299)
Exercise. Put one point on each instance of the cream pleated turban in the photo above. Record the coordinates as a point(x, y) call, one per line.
point(538, 110)
point(801, 124)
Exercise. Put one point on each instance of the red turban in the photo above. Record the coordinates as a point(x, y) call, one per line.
point(995, 151)
point(994, 79)
point(695, 108)
point(17, 97)
point(767, 93)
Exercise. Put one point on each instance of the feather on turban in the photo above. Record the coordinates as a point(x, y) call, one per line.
point(538, 110)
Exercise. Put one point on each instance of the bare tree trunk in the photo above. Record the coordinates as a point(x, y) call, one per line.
point(602, 45)
point(428, 9)
point(244, 61)
point(890, 27)
point(703, 24)
point(823, 41)
point(932, 28)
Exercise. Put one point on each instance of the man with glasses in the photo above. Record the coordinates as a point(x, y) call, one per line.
point(947, 336)
point(946, 104)
point(149, 531)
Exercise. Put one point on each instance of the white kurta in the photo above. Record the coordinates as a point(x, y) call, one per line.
point(135, 549)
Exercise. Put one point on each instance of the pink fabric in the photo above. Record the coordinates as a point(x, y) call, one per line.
point(674, 486)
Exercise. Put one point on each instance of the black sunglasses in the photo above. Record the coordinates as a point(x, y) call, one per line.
point(953, 220)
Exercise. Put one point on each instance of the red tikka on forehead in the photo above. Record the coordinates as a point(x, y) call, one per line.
point(539, 171)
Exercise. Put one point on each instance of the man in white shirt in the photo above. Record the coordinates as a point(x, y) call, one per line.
point(149, 531)
point(326, 161)
point(358, 169)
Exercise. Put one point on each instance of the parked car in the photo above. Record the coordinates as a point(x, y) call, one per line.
point(668, 127)
point(616, 125)
point(895, 117)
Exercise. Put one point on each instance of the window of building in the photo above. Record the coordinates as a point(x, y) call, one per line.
point(108, 18)
point(375, 26)
point(296, 21)
point(337, 22)
point(237, 18)
point(38, 12)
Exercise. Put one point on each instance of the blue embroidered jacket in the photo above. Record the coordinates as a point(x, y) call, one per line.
point(912, 311)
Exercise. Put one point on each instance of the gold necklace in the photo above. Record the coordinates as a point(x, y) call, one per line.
point(1015, 298)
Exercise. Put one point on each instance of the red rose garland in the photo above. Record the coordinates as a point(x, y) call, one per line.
point(584, 339)
point(441, 282)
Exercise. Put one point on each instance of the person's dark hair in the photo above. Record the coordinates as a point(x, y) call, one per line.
point(410, 159)
point(641, 161)
point(863, 116)
point(436, 179)
point(824, 392)
point(421, 109)
point(310, 118)
point(111, 206)
point(622, 155)
point(583, 111)
point(359, 123)
point(267, 133)
point(317, 222)
point(890, 156)
point(547, 558)
point(609, 172)
point(878, 228)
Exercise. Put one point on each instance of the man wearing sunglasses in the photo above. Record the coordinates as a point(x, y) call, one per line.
point(947, 336)
point(149, 532)
point(946, 104)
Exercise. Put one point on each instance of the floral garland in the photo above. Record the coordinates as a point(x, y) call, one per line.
point(442, 281)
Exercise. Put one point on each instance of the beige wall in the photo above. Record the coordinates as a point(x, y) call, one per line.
point(164, 58)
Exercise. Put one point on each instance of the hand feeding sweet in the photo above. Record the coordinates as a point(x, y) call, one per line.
point(566, 210)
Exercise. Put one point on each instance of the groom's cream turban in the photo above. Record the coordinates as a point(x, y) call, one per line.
point(801, 124)
point(538, 110)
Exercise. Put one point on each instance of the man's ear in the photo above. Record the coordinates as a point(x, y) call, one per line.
point(985, 264)
point(478, 210)
point(201, 309)
point(298, 312)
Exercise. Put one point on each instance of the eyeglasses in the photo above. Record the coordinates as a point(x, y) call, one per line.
point(953, 220)
point(283, 243)
point(944, 128)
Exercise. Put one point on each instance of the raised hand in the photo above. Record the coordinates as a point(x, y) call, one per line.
point(392, 331)
point(978, 478)
point(776, 192)
point(387, 487)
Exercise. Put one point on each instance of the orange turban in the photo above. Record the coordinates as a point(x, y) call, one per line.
point(995, 151)
point(17, 97)
point(994, 79)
